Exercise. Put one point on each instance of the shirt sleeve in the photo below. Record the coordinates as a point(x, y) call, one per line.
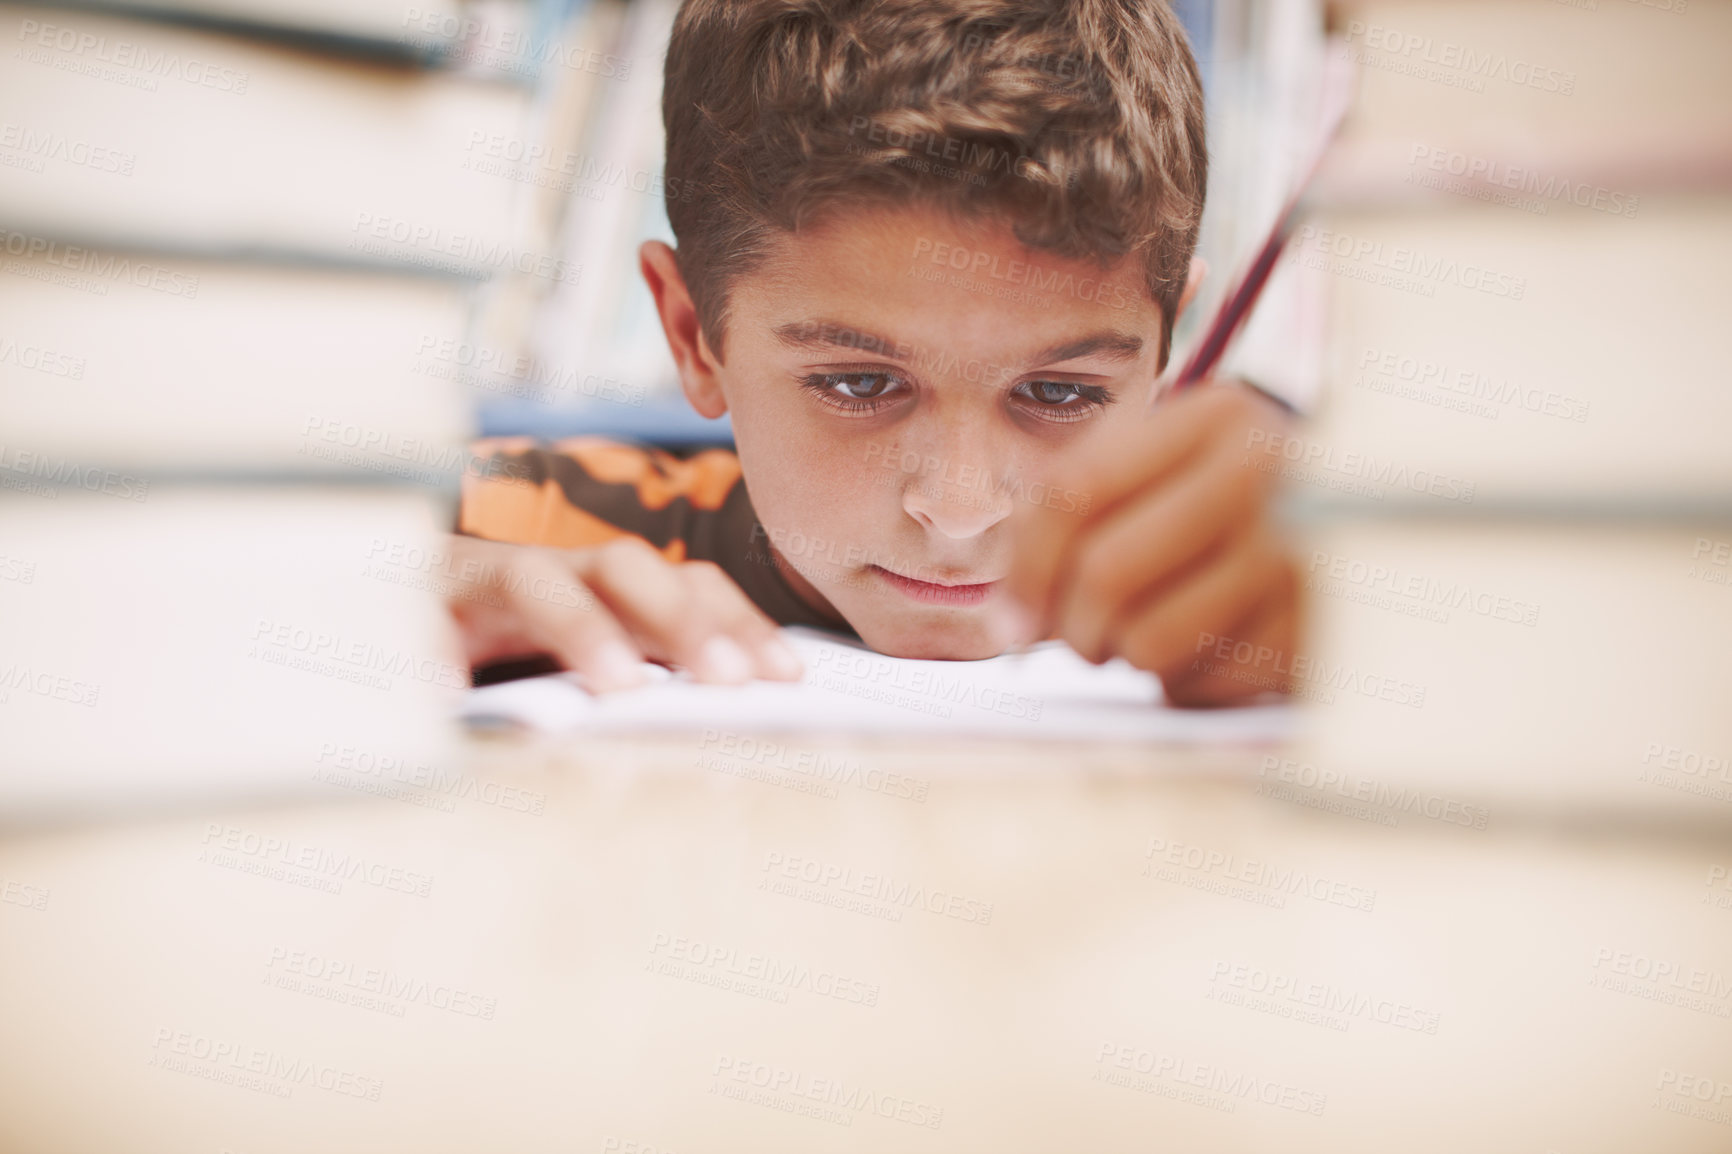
point(587, 491)
point(581, 492)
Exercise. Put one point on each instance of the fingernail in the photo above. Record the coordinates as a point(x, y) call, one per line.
point(722, 659)
point(782, 661)
point(614, 665)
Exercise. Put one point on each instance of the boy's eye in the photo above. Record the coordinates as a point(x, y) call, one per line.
point(1053, 392)
point(1063, 400)
point(854, 392)
point(860, 386)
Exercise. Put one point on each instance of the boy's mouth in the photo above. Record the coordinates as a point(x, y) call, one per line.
point(938, 592)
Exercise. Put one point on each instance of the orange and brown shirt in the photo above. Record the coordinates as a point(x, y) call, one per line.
point(579, 492)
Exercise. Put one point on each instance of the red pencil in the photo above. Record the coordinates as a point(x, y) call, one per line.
point(1237, 304)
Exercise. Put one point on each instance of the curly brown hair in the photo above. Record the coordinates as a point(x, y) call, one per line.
point(1081, 121)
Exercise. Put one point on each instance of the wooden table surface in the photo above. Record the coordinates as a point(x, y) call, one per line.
point(715, 944)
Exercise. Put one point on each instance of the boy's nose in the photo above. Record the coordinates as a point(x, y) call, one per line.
point(956, 511)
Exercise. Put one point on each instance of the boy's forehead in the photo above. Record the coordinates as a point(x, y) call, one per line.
point(875, 278)
point(879, 233)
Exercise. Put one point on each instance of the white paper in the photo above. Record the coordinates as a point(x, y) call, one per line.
point(1046, 694)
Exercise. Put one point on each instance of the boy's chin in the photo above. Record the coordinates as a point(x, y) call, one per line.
point(961, 641)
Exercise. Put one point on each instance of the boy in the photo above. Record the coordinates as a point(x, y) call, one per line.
point(930, 255)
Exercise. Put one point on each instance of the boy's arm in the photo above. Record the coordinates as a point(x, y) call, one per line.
point(601, 611)
point(556, 559)
point(1177, 566)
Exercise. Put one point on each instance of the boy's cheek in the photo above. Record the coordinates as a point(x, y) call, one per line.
point(823, 513)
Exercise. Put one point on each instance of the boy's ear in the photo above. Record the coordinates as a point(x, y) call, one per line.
point(1194, 281)
point(692, 355)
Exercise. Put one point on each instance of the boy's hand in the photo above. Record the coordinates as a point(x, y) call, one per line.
point(1176, 553)
point(602, 611)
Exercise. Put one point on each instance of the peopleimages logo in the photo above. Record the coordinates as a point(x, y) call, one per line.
point(384, 450)
point(368, 771)
point(894, 894)
point(17, 569)
point(1403, 267)
point(43, 145)
point(500, 155)
point(1327, 998)
point(1021, 274)
point(340, 980)
point(790, 1088)
point(1115, 1062)
point(1694, 1096)
point(1378, 584)
point(500, 370)
point(104, 268)
point(232, 847)
point(971, 154)
point(18, 678)
point(58, 472)
point(1711, 561)
point(1423, 52)
point(1420, 378)
point(1686, 770)
point(1396, 799)
point(1662, 979)
point(40, 359)
point(225, 1060)
point(893, 461)
point(1312, 677)
point(1352, 472)
point(505, 47)
point(1165, 858)
point(30, 897)
point(750, 973)
point(92, 51)
point(464, 253)
point(362, 658)
point(864, 674)
point(1698, 1086)
point(1475, 170)
point(744, 754)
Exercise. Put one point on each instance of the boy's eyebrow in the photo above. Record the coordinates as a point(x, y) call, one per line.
point(1114, 346)
point(832, 335)
point(1108, 343)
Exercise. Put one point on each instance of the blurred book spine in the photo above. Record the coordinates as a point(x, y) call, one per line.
point(248, 251)
point(1515, 479)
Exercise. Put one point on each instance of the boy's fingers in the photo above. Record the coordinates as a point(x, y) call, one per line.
point(1142, 453)
point(688, 614)
point(643, 591)
point(1148, 543)
point(1042, 538)
point(579, 631)
point(1165, 634)
point(725, 605)
point(1271, 628)
point(1139, 457)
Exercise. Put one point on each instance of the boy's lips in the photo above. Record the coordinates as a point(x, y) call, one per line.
point(958, 592)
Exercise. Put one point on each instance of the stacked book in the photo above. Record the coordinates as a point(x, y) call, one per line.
point(1513, 492)
point(257, 263)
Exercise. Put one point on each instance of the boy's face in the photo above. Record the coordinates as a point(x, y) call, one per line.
point(900, 381)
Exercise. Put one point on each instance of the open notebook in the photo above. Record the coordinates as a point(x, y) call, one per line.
point(1048, 693)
